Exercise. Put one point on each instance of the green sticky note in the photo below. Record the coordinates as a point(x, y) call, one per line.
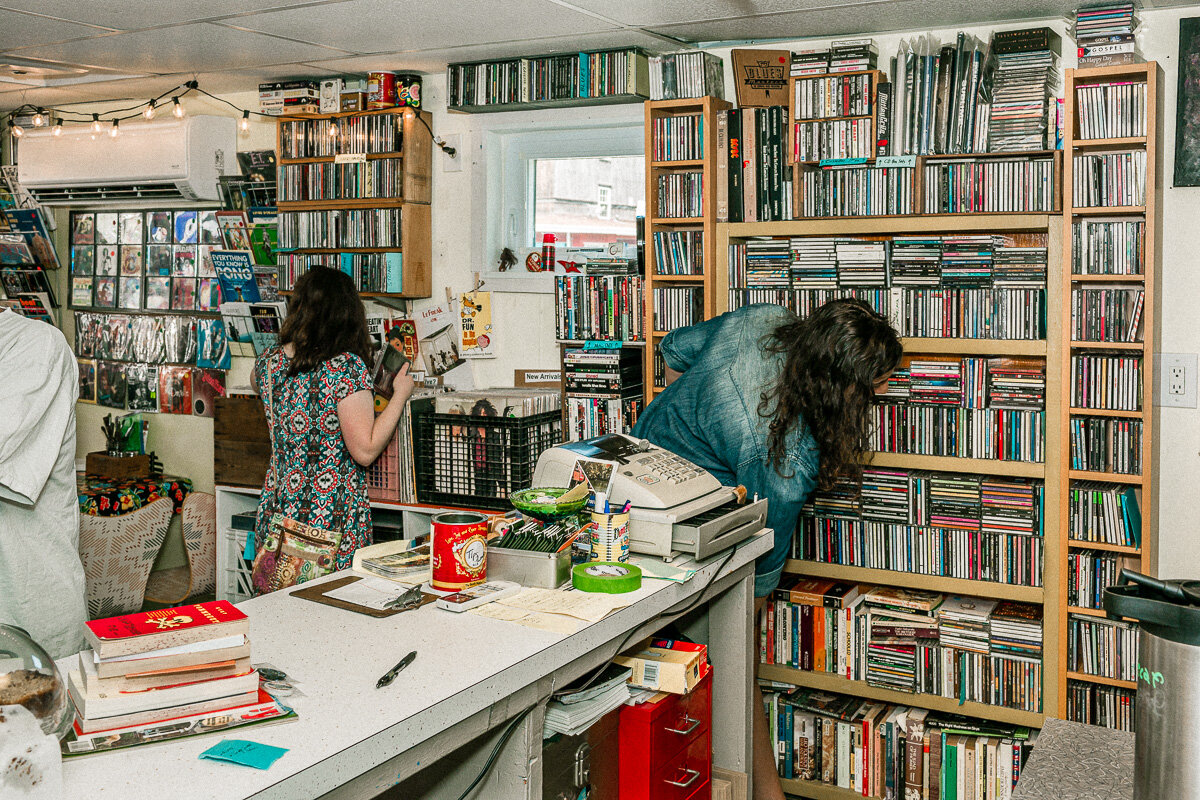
point(244, 752)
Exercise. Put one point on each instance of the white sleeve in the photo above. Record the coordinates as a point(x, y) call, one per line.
point(39, 384)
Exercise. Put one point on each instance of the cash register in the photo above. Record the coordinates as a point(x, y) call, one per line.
point(675, 506)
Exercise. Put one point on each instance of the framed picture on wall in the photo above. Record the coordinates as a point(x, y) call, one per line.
point(1187, 107)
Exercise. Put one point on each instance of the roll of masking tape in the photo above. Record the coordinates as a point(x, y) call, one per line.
point(607, 577)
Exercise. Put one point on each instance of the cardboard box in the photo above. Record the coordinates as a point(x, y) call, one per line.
point(761, 76)
point(664, 669)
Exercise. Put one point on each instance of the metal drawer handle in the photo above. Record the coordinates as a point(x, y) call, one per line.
point(695, 774)
point(690, 728)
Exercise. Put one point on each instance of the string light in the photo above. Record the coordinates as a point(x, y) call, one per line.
point(39, 119)
point(57, 129)
point(95, 124)
point(178, 109)
point(333, 130)
point(17, 130)
point(245, 123)
point(149, 112)
point(116, 129)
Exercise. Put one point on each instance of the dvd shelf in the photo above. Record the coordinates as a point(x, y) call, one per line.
point(856, 191)
point(979, 184)
point(1113, 168)
point(604, 307)
point(354, 191)
point(833, 117)
point(679, 255)
point(602, 77)
point(602, 391)
point(679, 138)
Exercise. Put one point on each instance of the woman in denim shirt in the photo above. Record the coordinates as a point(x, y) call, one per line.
point(780, 405)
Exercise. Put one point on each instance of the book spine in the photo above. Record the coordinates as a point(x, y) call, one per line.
point(722, 156)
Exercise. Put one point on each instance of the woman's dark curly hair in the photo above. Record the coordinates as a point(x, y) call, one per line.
point(325, 318)
point(831, 362)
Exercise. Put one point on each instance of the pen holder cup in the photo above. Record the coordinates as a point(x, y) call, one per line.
point(610, 537)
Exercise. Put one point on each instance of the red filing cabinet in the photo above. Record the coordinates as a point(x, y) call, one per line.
point(666, 747)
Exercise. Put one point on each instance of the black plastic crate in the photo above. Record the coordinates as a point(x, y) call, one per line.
point(476, 462)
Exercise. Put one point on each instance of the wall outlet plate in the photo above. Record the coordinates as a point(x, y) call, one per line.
point(1175, 379)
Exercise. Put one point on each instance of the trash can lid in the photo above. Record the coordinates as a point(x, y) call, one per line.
point(1168, 609)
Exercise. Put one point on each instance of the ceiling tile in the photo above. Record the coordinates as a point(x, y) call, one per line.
point(130, 15)
point(185, 48)
point(435, 60)
point(646, 13)
point(20, 30)
point(873, 16)
point(383, 26)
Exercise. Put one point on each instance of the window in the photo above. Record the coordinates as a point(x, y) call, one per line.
point(586, 185)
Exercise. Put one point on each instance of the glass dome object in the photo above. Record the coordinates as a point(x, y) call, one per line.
point(29, 677)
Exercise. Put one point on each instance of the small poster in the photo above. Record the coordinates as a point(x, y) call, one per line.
point(477, 337)
point(437, 330)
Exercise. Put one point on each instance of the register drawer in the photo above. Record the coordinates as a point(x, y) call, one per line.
point(714, 530)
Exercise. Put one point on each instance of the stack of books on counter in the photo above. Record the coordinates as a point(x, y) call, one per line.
point(157, 675)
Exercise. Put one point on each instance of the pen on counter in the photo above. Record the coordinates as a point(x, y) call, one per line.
point(391, 674)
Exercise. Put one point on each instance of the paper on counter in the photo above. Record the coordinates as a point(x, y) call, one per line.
point(373, 593)
point(555, 623)
point(657, 568)
point(245, 752)
point(587, 606)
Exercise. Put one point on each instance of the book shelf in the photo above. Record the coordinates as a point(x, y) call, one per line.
point(1145, 278)
point(704, 170)
point(346, 164)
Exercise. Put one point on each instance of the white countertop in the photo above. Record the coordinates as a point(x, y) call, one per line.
point(465, 664)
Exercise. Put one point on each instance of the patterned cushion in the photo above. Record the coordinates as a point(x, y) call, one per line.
point(118, 553)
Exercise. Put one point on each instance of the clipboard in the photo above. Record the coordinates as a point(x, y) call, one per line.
point(317, 592)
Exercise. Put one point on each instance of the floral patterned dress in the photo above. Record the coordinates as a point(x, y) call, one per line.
point(311, 476)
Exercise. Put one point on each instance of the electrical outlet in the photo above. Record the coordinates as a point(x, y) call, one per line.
point(1176, 380)
point(453, 164)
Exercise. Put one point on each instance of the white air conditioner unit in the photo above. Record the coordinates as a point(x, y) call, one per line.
point(163, 159)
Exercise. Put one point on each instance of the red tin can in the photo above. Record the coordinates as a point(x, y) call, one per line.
point(459, 550)
point(381, 90)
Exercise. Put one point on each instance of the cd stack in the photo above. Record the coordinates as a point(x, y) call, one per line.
point(603, 391)
point(1016, 629)
point(1010, 505)
point(898, 622)
point(955, 501)
point(1024, 79)
point(852, 55)
point(963, 623)
point(885, 495)
point(861, 263)
point(840, 500)
point(936, 382)
point(1015, 387)
point(1104, 35)
point(767, 265)
point(814, 263)
point(967, 260)
point(1019, 267)
point(916, 261)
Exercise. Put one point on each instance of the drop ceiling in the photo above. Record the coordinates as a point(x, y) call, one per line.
point(55, 52)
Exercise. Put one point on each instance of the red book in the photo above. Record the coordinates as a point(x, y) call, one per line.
point(170, 627)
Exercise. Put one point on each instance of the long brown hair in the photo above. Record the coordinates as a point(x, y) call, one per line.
point(325, 318)
point(831, 361)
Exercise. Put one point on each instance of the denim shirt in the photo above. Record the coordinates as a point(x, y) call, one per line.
point(709, 415)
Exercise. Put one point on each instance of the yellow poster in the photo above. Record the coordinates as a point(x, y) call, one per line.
point(478, 337)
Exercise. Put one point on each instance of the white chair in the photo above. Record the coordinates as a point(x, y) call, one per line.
point(198, 575)
point(118, 553)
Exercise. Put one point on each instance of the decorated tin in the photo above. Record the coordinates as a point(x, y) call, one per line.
point(381, 90)
point(459, 550)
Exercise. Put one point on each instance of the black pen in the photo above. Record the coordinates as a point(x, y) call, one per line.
point(391, 674)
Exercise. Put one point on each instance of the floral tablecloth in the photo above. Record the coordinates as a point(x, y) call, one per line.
point(105, 497)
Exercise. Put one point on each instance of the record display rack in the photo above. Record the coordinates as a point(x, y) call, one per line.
point(1147, 279)
point(1047, 230)
point(412, 198)
point(657, 220)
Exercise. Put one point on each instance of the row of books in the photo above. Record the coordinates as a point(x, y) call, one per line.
point(832, 140)
point(974, 383)
point(1111, 110)
point(680, 195)
point(1106, 513)
point(1103, 444)
point(371, 272)
point(989, 185)
point(1106, 382)
point(679, 252)
point(856, 191)
point(1089, 573)
point(936, 499)
point(754, 180)
point(338, 228)
point(678, 138)
point(1011, 558)
point(881, 750)
point(604, 391)
point(599, 307)
point(377, 178)
point(315, 138)
point(1095, 704)
point(1109, 179)
point(692, 73)
point(547, 78)
point(1108, 246)
point(143, 682)
point(996, 434)
point(678, 307)
point(1107, 315)
point(1104, 647)
point(821, 98)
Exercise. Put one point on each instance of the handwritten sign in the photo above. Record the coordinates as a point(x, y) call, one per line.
point(244, 752)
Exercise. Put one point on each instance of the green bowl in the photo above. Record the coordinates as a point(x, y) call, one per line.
point(544, 505)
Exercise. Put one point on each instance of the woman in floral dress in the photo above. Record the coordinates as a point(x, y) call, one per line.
point(316, 389)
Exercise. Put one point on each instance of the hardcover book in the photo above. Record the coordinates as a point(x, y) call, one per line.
point(151, 630)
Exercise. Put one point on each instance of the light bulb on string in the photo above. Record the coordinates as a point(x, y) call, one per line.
point(57, 129)
point(17, 130)
point(39, 119)
point(150, 111)
point(116, 129)
point(245, 123)
point(178, 109)
point(96, 124)
point(333, 130)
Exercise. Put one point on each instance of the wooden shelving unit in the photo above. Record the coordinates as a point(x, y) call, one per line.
point(707, 108)
point(416, 157)
point(874, 77)
point(1151, 75)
